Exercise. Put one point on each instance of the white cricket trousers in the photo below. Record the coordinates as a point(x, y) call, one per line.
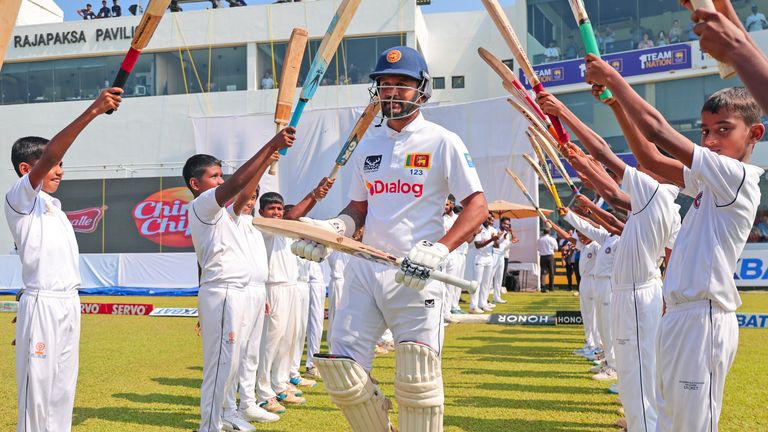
point(460, 265)
point(696, 346)
point(497, 280)
point(373, 301)
point(335, 291)
point(479, 298)
point(636, 312)
point(47, 351)
point(315, 320)
point(301, 317)
point(603, 317)
point(275, 359)
point(253, 327)
point(220, 309)
point(587, 306)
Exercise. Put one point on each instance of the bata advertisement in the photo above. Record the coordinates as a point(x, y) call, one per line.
point(133, 215)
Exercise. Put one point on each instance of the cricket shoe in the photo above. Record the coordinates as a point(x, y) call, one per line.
point(620, 411)
point(273, 406)
point(476, 311)
point(290, 399)
point(257, 414)
point(313, 372)
point(292, 389)
point(622, 423)
point(582, 351)
point(606, 374)
point(613, 388)
point(597, 368)
point(457, 312)
point(379, 350)
point(303, 382)
point(233, 422)
point(488, 308)
point(500, 301)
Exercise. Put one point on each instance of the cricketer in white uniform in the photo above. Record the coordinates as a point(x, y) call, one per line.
point(587, 299)
point(402, 173)
point(253, 323)
point(301, 318)
point(48, 320)
point(636, 304)
point(456, 262)
point(483, 266)
point(601, 278)
point(699, 334)
point(500, 253)
point(317, 290)
point(338, 262)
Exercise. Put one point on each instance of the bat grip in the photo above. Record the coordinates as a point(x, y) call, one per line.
point(470, 286)
point(131, 57)
point(562, 135)
point(273, 166)
point(334, 171)
point(590, 43)
point(295, 118)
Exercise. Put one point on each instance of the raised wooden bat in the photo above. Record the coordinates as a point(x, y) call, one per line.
point(726, 71)
point(550, 182)
point(587, 35)
point(289, 77)
point(301, 230)
point(9, 11)
point(323, 57)
point(356, 135)
point(141, 37)
point(526, 193)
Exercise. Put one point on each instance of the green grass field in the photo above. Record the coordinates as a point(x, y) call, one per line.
point(144, 373)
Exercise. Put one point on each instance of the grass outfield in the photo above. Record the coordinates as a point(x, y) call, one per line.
point(143, 374)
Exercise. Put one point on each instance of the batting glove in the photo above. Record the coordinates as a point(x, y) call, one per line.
point(422, 259)
point(312, 250)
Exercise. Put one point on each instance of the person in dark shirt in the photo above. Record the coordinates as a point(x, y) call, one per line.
point(116, 10)
point(175, 6)
point(87, 13)
point(104, 12)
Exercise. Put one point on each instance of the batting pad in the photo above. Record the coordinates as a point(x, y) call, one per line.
point(418, 388)
point(351, 389)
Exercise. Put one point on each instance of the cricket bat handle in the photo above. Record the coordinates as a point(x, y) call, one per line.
point(562, 135)
point(470, 286)
point(334, 171)
point(590, 43)
point(273, 165)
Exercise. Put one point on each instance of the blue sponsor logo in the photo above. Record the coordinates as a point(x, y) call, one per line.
point(470, 163)
point(752, 320)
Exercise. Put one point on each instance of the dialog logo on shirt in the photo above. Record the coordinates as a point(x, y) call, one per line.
point(162, 217)
point(372, 163)
point(86, 220)
point(418, 160)
point(39, 351)
point(399, 187)
point(697, 200)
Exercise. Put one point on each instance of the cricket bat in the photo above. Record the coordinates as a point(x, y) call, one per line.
point(508, 33)
point(289, 77)
point(325, 52)
point(555, 157)
point(141, 37)
point(301, 230)
point(356, 135)
point(526, 193)
point(537, 169)
point(587, 35)
point(550, 182)
point(9, 10)
point(726, 71)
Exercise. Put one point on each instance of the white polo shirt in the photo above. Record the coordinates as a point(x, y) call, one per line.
point(588, 257)
point(726, 195)
point(220, 246)
point(448, 222)
point(257, 251)
point(546, 245)
point(283, 266)
point(484, 255)
point(44, 237)
point(603, 266)
point(505, 242)
point(654, 220)
point(405, 176)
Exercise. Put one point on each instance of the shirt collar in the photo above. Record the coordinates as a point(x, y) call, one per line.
point(411, 127)
point(53, 200)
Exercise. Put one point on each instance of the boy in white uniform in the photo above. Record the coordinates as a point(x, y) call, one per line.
point(48, 321)
point(222, 253)
point(338, 262)
point(483, 244)
point(302, 319)
point(456, 262)
point(253, 320)
point(698, 335)
point(317, 290)
point(402, 174)
point(652, 226)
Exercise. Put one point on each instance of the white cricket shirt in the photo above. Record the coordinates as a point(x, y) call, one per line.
point(603, 265)
point(220, 246)
point(448, 222)
point(255, 248)
point(405, 177)
point(726, 196)
point(44, 237)
point(484, 255)
point(651, 225)
point(546, 245)
point(283, 266)
point(505, 242)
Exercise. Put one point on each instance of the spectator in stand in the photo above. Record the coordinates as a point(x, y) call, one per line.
point(87, 13)
point(571, 49)
point(762, 227)
point(691, 34)
point(215, 4)
point(267, 82)
point(104, 12)
point(174, 7)
point(756, 21)
point(662, 39)
point(117, 11)
point(552, 53)
point(609, 38)
point(236, 3)
point(675, 33)
point(647, 42)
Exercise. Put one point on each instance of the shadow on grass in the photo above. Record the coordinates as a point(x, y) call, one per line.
point(531, 388)
point(527, 404)
point(171, 419)
point(519, 425)
point(523, 374)
point(512, 359)
point(180, 382)
point(195, 368)
point(155, 398)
